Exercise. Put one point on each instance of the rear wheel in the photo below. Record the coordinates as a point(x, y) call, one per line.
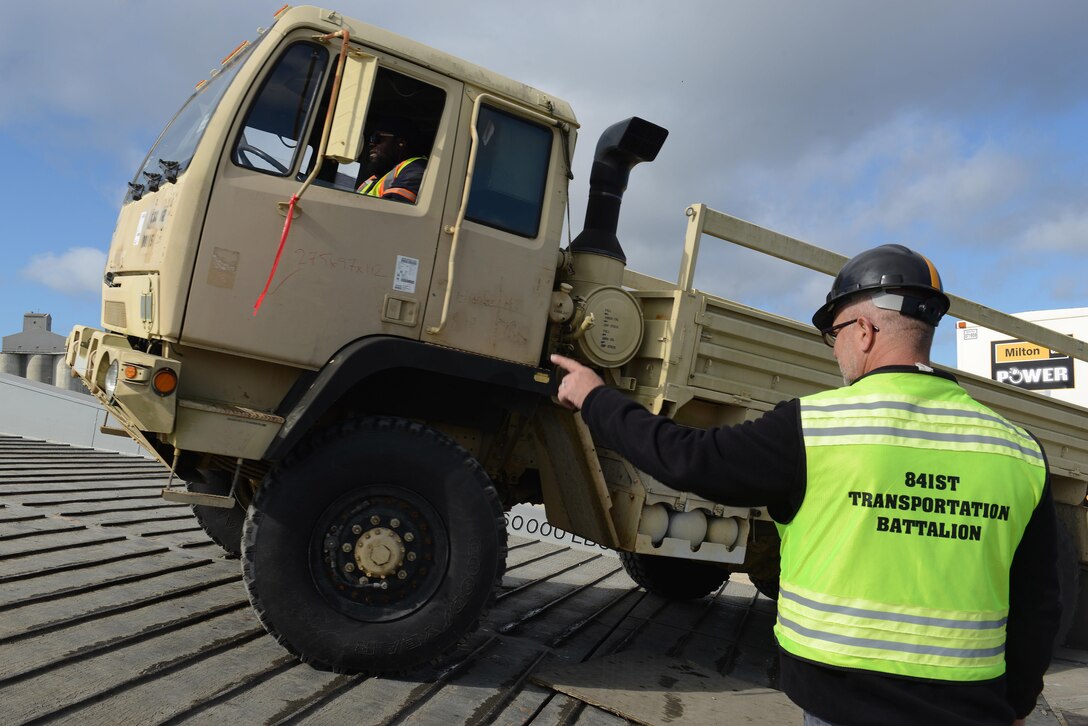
point(374, 549)
point(672, 577)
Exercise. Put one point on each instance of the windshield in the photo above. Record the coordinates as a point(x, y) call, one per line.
point(173, 151)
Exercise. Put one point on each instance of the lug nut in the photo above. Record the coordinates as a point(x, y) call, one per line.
point(346, 547)
point(375, 519)
point(349, 567)
point(363, 581)
point(402, 575)
point(356, 529)
point(411, 556)
point(394, 523)
point(409, 537)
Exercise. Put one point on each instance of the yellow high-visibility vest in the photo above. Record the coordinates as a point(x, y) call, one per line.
point(378, 187)
point(898, 559)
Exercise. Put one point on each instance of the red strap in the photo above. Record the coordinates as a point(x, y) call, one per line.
point(279, 252)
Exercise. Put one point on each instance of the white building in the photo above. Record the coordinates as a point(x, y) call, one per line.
point(1021, 363)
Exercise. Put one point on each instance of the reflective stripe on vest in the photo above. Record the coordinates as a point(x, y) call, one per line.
point(375, 187)
point(896, 639)
point(990, 432)
point(898, 559)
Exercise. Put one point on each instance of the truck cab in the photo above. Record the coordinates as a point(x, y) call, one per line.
point(467, 265)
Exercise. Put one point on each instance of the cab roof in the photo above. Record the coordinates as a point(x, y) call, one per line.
point(436, 60)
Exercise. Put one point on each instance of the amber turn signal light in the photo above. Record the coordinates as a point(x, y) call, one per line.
point(164, 382)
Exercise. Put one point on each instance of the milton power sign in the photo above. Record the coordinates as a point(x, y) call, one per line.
point(1030, 366)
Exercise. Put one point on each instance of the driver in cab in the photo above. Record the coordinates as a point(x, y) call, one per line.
point(395, 171)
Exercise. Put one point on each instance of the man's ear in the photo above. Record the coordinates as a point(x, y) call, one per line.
point(870, 331)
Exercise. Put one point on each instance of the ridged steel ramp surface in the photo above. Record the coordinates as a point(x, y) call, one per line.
point(115, 608)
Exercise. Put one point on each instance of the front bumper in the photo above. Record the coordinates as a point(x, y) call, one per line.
point(210, 427)
point(134, 402)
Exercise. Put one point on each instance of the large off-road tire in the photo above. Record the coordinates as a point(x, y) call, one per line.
point(374, 548)
point(673, 578)
point(223, 526)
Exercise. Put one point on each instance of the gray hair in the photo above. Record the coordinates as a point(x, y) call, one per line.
point(912, 332)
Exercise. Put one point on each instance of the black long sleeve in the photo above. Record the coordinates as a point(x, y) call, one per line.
point(756, 463)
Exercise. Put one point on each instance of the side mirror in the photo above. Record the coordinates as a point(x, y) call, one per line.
point(346, 135)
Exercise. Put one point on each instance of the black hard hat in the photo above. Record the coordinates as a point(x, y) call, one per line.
point(910, 280)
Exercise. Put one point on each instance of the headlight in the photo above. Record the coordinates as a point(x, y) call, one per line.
point(109, 383)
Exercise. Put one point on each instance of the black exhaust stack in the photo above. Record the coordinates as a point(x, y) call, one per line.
point(620, 147)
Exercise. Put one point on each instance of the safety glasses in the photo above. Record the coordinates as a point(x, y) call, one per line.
point(833, 332)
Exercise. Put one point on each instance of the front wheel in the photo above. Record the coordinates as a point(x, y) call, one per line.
point(374, 549)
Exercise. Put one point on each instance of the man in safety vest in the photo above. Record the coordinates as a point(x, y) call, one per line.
point(396, 173)
point(918, 580)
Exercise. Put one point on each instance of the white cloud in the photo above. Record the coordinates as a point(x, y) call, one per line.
point(910, 178)
point(1067, 233)
point(945, 188)
point(76, 271)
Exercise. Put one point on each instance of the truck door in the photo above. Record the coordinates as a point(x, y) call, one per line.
point(502, 236)
point(353, 265)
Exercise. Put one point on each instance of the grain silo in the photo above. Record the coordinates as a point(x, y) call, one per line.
point(34, 353)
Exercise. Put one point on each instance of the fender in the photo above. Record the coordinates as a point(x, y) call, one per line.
point(316, 393)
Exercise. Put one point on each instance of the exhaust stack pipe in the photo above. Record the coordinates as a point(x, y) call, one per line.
point(606, 327)
point(620, 147)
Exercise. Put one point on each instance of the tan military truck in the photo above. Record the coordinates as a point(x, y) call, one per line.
point(364, 382)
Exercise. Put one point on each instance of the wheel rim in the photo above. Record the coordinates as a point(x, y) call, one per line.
point(379, 553)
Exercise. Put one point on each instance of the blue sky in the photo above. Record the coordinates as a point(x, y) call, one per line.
point(955, 128)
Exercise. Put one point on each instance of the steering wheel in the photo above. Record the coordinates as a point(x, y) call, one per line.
point(245, 148)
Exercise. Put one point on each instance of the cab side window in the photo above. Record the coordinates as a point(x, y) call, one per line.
point(399, 133)
point(511, 172)
point(277, 120)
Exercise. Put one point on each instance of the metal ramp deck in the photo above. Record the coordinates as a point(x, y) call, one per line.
point(115, 608)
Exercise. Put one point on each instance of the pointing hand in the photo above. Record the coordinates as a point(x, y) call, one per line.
point(577, 383)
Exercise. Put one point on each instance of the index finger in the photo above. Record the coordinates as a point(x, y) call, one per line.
point(567, 364)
